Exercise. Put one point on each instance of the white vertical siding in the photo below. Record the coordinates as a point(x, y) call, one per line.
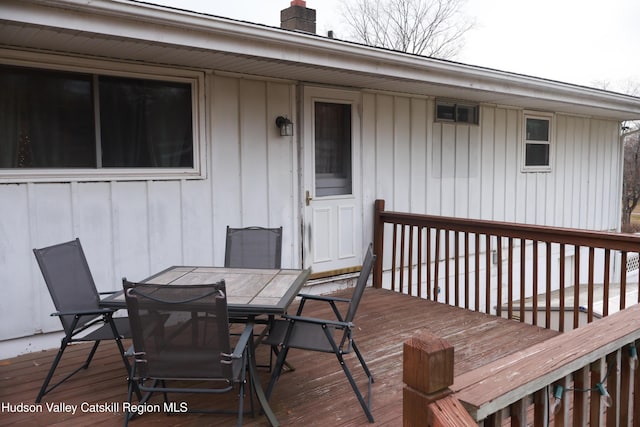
point(135, 228)
point(476, 171)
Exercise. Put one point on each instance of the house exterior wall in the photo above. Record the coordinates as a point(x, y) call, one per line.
point(135, 228)
point(419, 165)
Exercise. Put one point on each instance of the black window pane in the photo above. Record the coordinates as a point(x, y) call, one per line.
point(446, 112)
point(537, 155)
point(145, 123)
point(537, 130)
point(46, 119)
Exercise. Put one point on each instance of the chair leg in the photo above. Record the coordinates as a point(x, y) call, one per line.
point(130, 389)
point(125, 360)
point(54, 365)
point(362, 362)
point(356, 390)
point(282, 355)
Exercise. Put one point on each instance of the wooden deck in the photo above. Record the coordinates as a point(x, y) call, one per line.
point(317, 393)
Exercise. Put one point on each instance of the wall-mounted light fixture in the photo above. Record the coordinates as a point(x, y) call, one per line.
point(285, 125)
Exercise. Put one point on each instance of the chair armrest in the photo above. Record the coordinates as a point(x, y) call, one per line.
point(83, 312)
point(318, 321)
point(246, 335)
point(328, 299)
point(324, 298)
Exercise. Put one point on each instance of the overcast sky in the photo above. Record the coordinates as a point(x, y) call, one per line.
point(575, 41)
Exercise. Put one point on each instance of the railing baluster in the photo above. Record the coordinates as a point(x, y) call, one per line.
point(499, 274)
point(477, 268)
point(613, 383)
point(576, 287)
point(456, 266)
point(467, 276)
point(428, 262)
point(598, 369)
point(627, 368)
point(436, 266)
point(487, 285)
point(419, 262)
point(393, 257)
point(623, 280)
point(547, 311)
point(581, 399)
point(541, 407)
point(590, 288)
point(403, 232)
point(534, 296)
point(510, 279)
point(446, 267)
point(523, 277)
point(561, 279)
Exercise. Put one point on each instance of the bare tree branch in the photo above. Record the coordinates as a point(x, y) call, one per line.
point(424, 27)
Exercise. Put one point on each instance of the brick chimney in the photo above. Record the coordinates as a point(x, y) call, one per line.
point(298, 17)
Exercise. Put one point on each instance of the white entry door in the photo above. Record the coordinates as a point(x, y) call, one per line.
point(332, 180)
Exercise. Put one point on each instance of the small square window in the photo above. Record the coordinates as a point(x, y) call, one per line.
point(537, 143)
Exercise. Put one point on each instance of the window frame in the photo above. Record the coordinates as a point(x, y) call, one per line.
point(195, 78)
point(475, 108)
point(536, 115)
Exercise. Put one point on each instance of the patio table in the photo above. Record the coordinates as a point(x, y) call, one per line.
point(250, 293)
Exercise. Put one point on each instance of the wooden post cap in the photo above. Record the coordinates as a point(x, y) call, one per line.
point(427, 363)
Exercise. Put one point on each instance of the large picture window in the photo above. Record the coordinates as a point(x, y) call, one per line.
point(537, 142)
point(51, 119)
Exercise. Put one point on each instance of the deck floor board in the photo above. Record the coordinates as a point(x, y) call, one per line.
point(316, 394)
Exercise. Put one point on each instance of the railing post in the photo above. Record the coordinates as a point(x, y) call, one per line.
point(427, 374)
point(378, 242)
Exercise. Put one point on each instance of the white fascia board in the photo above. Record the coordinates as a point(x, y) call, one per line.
point(159, 24)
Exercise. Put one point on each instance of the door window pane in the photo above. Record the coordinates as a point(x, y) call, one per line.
point(332, 148)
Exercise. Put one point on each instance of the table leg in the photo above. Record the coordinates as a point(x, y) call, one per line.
point(262, 398)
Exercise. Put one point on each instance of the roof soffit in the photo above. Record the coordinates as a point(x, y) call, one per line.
point(289, 54)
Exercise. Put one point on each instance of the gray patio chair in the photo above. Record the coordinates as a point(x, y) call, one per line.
point(253, 247)
point(181, 335)
point(325, 335)
point(73, 291)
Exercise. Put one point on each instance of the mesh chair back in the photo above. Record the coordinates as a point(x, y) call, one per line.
point(367, 267)
point(69, 280)
point(180, 331)
point(253, 247)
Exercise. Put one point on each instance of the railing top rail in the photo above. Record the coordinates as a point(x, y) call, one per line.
point(497, 385)
point(570, 236)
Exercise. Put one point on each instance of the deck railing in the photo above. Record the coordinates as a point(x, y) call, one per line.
point(552, 277)
point(586, 376)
